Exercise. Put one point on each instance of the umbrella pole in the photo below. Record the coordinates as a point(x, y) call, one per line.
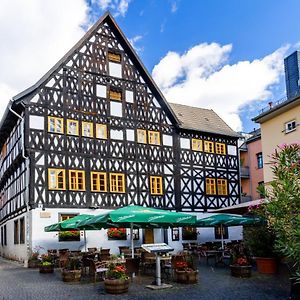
point(131, 236)
point(84, 235)
point(222, 236)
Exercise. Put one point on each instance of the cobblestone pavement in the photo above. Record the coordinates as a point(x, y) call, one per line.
point(17, 283)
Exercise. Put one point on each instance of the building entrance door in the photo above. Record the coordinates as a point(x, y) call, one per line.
point(149, 236)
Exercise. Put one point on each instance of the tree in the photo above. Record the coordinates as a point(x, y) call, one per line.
point(283, 206)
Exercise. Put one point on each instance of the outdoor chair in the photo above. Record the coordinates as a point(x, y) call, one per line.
point(63, 256)
point(97, 268)
point(122, 248)
point(104, 254)
point(147, 262)
point(94, 249)
point(132, 266)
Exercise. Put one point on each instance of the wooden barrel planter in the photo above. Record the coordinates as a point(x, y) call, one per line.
point(116, 286)
point(71, 275)
point(46, 268)
point(266, 265)
point(188, 277)
point(240, 271)
point(34, 263)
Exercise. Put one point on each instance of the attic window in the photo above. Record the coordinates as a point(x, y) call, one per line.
point(114, 57)
point(206, 119)
point(115, 95)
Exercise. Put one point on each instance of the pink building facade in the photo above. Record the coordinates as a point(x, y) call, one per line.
point(251, 160)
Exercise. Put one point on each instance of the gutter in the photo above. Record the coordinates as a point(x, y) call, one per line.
point(27, 175)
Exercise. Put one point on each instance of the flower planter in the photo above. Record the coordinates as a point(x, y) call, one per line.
point(240, 271)
point(116, 286)
point(184, 276)
point(71, 275)
point(33, 263)
point(266, 265)
point(46, 269)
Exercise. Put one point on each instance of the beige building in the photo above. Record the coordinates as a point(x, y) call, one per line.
point(279, 125)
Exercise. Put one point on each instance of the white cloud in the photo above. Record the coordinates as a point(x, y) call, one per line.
point(174, 7)
point(202, 77)
point(133, 41)
point(118, 7)
point(34, 40)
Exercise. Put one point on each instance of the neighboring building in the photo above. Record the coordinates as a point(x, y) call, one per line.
point(279, 125)
point(280, 121)
point(292, 74)
point(251, 159)
point(96, 133)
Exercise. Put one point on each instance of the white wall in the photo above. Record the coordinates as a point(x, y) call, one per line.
point(11, 250)
point(49, 240)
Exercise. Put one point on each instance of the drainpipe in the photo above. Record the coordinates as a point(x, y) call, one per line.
point(27, 174)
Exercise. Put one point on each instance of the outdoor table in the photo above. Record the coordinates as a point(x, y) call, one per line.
point(218, 254)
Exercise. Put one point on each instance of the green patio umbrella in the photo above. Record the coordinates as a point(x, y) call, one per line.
point(139, 217)
point(69, 224)
point(227, 220)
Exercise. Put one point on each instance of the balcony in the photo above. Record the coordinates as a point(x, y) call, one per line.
point(246, 199)
point(244, 172)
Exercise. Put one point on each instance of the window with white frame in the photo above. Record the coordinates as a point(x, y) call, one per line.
point(290, 126)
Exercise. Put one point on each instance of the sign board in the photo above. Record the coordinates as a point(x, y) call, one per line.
point(45, 214)
point(157, 248)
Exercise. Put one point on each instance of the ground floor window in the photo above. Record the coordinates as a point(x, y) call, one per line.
point(16, 232)
point(22, 231)
point(71, 235)
point(219, 230)
point(189, 233)
point(175, 234)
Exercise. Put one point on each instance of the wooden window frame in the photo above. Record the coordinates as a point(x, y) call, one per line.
point(140, 131)
point(114, 57)
point(151, 139)
point(101, 126)
point(156, 185)
point(74, 181)
point(98, 184)
point(56, 119)
point(77, 126)
point(113, 95)
point(71, 235)
point(197, 145)
point(210, 186)
point(117, 188)
point(221, 148)
point(218, 233)
point(208, 145)
point(57, 179)
point(90, 125)
point(222, 186)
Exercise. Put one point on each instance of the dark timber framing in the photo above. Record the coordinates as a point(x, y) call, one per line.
point(70, 91)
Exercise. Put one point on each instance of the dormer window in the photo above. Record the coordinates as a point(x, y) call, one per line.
point(114, 57)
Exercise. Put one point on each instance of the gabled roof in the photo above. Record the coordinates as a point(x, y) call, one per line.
point(201, 119)
point(107, 17)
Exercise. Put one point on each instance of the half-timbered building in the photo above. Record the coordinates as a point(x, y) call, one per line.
point(95, 133)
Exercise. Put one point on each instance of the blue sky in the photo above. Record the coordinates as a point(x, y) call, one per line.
point(224, 55)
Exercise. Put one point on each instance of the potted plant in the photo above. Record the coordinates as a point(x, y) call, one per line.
point(184, 273)
point(260, 240)
point(116, 281)
point(72, 271)
point(241, 266)
point(46, 265)
point(33, 261)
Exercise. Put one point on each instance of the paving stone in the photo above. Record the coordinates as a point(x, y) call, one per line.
point(17, 282)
